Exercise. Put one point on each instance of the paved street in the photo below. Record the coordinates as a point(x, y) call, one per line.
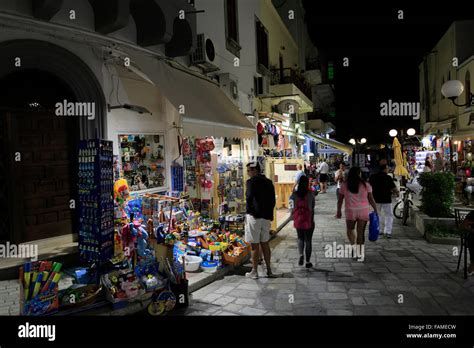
point(403, 269)
point(404, 265)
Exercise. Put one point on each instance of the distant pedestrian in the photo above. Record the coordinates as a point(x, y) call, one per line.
point(383, 188)
point(260, 196)
point(340, 177)
point(438, 163)
point(298, 175)
point(323, 170)
point(358, 198)
point(302, 211)
point(428, 168)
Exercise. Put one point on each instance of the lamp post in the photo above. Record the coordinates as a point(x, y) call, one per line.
point(357, 145)
point(452, 89)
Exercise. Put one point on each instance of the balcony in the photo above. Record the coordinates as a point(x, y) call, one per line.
point(289, 75)
point(288, 85)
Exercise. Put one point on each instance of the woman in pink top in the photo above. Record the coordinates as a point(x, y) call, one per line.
point(358, 197)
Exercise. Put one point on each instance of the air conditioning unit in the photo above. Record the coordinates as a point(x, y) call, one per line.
point(230, 85)
point(262, 85)
point(205, 56)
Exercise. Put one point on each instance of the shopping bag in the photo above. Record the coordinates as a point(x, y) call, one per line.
point(374, 228)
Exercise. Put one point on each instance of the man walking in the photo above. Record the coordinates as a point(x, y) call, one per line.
point(261, 201)
point(383, 187)
point(323, 170)
point(438, 163)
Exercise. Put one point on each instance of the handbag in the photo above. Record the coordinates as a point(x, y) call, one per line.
point(374, 227)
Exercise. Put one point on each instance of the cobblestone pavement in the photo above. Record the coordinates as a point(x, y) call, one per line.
point(404, 275)
point(403, 269)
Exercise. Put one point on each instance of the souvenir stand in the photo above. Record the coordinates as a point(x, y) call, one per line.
point(277, 144)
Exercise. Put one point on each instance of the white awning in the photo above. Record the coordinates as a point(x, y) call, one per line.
point(330, 142)
point(207, 111)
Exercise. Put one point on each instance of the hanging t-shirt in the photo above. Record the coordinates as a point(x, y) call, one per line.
point(259, 128)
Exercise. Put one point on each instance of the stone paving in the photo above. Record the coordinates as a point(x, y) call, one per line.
point(403, 269)
point(404, 275)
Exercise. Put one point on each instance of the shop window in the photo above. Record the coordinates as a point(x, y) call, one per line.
point(261, 33)
point(232, 27)
point(467, 86)
point(143, 160)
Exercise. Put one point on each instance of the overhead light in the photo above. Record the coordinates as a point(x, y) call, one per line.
point(452, 89)
point(411, 132)
point(363, 141)
point(34, 105)
point(352, 141)
point(135, 108)
point(393, 133)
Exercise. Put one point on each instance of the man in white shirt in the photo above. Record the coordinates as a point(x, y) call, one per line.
point(323, 170)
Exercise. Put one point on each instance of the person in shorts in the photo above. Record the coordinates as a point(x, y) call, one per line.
point(323, 171)
point(358, 198)
point(260, 196)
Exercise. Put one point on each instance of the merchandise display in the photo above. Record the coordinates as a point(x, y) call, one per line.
point(143, 161)
point(39, 287)
point(96, 207)
point(137, 246)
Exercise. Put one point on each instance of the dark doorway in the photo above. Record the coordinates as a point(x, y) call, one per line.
point(39, 186)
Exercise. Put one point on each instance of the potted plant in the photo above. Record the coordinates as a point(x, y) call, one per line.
point(437, 195)
point(435, 219)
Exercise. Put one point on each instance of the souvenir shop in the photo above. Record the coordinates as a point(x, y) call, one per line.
point(145, 230)
point(432, 143)
point(133, 247)
point(280, 154)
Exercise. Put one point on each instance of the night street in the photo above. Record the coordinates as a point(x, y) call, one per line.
point(406, 264)
point(168, 163)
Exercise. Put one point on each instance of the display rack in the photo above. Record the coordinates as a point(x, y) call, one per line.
point(96, 204)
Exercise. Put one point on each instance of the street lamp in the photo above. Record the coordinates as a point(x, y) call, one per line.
point(356, 143)
point(411, 132)
point(393, 133)
point(452, 89)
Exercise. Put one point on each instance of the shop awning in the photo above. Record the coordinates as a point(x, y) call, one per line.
point(330, 142)
point(464, 135)
point(441, 126)
point(207, 111)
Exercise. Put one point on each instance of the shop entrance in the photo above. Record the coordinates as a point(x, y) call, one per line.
point(37, 157)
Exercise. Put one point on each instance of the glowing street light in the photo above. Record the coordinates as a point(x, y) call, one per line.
point(411, 132)
point(393, 133)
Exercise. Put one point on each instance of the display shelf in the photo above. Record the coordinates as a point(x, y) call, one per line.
point(96, 204)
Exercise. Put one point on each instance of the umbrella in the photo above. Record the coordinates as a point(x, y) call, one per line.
point(397, 150)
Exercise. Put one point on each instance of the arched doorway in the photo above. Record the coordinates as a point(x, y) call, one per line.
point(38, 150)
point(40, 156)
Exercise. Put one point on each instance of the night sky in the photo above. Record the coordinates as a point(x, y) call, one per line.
point(384, 55)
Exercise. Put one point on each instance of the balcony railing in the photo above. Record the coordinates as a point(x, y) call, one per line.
point(290, 75)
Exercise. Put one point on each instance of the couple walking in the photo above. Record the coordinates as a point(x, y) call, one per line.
point(260, 197)
point(359, 197)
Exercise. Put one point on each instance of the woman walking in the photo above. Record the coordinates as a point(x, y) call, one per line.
point(358, 196)
point(302, 205)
